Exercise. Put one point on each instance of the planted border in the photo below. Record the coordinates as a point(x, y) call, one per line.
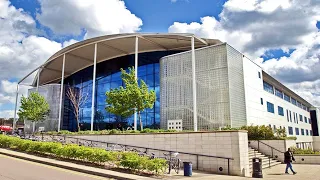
point(98, 156)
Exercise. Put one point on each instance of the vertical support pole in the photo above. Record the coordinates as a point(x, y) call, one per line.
point(61, 91)
point(15, 109)
point(94, 84)
point(38, 79)
point(136, 76)
point(37, 89)
point(194, 86)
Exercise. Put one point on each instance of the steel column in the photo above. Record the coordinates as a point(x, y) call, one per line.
point(38, 78)
point(15, 108)
point(61, 91)
point(94, 84)
point(194, 86)
point(136, 76)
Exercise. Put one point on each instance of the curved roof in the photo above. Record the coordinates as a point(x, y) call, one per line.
point(81, 55)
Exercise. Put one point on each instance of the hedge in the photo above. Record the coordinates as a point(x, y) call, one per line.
point(99, 156)
point(304, 151)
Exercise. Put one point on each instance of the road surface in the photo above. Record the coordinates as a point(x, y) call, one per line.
point(17, 169)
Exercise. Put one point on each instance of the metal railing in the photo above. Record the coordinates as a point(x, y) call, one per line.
point(272, 149)
point(147, 149)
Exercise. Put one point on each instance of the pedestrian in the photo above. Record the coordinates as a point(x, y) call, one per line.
point(288, 158)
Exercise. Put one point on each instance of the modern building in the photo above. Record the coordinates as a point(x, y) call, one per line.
point(200, 84)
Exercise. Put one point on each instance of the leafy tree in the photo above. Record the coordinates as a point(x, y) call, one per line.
point(34, 108)
point(125, 101)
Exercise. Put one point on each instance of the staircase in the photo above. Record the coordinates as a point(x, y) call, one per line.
point(265, 159)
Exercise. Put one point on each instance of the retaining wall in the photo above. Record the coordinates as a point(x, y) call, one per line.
point(233, 144)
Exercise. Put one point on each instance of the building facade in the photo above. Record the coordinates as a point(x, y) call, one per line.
point(186, 72)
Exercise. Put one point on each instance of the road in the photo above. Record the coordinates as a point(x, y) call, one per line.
point(17, 169)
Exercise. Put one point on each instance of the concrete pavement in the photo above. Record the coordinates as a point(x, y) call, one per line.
point(18, 169)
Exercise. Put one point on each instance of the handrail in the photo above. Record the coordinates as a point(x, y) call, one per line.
point(268, 145)
point(272, 149)
point(146, 148)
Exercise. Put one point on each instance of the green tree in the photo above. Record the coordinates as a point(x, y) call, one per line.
point(34, 108)
point(134, 97)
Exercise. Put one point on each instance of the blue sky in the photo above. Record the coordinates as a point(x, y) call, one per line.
point(278, 35)
point(157, 15)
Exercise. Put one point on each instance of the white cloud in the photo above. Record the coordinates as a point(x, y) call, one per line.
point(69, 42)
point(21, 50)
point(6, 114)
point(256, 26)
point(97, 17)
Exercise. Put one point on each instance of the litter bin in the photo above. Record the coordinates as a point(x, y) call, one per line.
point(257, 168)
point(187, 168)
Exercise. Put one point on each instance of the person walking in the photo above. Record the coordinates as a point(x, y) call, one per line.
point(288, 158)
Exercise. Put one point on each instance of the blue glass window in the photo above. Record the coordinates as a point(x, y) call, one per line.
point(287, 115)
point(301, 118)
point(309, 120)
point(279, 93)
point(259, 75)
point(261, 101)
point(109, 76)
point(311, 133)
point(305, 120)
point(268, 87)
point(294, 117)
point(297, 131)
point(302, 132)
point(307, 132)
point(270, 107)
point(286, 97)
point(299, 104)
point(290, 130)
point(280, 111)
point(293, 101)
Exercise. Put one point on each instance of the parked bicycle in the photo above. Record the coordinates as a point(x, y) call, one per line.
point(173, 161)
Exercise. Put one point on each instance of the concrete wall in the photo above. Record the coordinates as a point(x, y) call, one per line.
point(316, 143)
point(307, 159)
point(233, 144)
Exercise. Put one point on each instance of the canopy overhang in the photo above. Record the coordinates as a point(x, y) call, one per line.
point(80, 55)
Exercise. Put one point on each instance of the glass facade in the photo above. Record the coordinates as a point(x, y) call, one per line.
point(108, 76)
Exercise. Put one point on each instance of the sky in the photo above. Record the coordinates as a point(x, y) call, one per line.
point(282, 36)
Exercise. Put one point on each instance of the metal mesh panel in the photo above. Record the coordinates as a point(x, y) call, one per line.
point(212, 88)
point(236, 87)
point(52, 94)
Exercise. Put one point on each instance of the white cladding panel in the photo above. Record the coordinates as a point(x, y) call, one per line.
point(257, 113)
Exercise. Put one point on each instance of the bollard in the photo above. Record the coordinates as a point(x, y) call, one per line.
point(187, 168)
point(257, 168)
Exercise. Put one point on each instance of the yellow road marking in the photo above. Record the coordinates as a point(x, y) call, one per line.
point(55, 168)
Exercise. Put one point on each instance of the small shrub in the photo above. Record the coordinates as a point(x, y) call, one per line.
point(98, 156)
point(303, 151)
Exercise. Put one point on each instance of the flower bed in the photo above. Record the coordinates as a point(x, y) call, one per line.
point(127, 160)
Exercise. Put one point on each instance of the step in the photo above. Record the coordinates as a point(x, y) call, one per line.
point(256, 153)
point(266, 164)
point(258, 156)
point(264, 159)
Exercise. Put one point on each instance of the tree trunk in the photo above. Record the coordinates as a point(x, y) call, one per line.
point(141, 125)
point(33, 127)
point(78, 126)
